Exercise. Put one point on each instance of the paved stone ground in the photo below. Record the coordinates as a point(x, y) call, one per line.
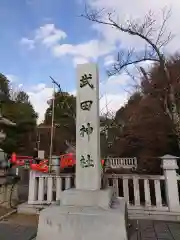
point(16, 232)
point(24, 227)
point(22, 219)
point(154, 230)
point(18, 227)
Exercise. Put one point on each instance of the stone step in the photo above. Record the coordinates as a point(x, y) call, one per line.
point(26, 208)
point(154, 215)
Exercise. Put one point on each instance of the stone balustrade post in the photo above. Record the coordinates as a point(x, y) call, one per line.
point(32, 187)
point(169, 165)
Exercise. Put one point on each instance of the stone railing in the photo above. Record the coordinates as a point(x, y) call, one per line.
point(125, 163)
point(145, 192)
point(139, 191)
point(46, 189)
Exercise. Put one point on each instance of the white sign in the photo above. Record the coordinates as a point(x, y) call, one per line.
point(88, 164)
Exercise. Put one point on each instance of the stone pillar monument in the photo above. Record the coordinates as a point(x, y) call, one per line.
point(86, 212)
point(88, 169)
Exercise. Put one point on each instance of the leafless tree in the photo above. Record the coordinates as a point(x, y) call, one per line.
point(155, 40)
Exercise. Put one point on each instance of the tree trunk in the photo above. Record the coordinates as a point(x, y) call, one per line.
point(175, 114)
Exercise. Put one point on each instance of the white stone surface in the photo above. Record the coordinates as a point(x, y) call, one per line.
point(169, 165)
point(87, 198)
point(32, 187)
point(88, 178)
point(85, 223)
point(41, 154)
point(169, 162)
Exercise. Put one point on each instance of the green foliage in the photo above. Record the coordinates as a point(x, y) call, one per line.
point(64, 122)
point(4, 86)
point(64, 108)
point(22, 97)
point(20, 111)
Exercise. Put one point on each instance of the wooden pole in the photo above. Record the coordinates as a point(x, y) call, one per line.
point(52, 130)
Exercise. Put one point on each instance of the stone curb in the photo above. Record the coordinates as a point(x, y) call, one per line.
point(8, 214)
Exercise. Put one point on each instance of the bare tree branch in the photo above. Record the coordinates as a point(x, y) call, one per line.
point(166, 14)
point(142, 30)
point(117, 67)
point(145, 31)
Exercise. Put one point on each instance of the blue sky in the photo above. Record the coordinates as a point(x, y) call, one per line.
point(21, 20)
point(48, 37)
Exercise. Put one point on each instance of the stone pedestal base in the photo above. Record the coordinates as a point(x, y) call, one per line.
point(87, 198)
point(87, 223)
